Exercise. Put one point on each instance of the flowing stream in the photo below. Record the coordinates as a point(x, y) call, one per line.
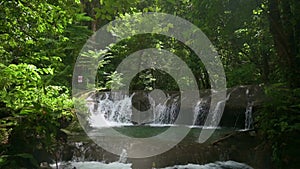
point(108, 112)
point(116, 110)
point(118, 165)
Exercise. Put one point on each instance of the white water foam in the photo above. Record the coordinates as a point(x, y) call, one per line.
point(117, 111)
point(99, 121)
point(92, 165)
point(204, 127)
point(161, 125)
point(248, 113)
point(118, 165)
point(216, 165)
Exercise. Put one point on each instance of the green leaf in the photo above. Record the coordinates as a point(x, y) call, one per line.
point(3, 160)
point(108, 17)
point(25, 112)
point(28, 156)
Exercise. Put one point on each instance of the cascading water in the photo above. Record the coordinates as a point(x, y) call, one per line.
point(166, 112)
point(123, 157)
point(115, 109)
point(80, 154)
point(248, 116)
point(218, 109)
point(200, 112)
point(248, 113)
point(118, 111)
point(114, 112)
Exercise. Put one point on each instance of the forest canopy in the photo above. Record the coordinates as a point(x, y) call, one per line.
point(258, 42)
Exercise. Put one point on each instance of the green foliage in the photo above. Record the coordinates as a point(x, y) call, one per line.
point(279, 122)
point(39, 45)
point(115, 81)
point(31, 113)
point(40, 41)
point(45, 34)
point(25, 25)
point(11, 160)
point(109, 9)
point(82, 111)
point(243, 74)
point(241, 32)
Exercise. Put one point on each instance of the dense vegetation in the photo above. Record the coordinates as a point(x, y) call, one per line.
point(258, 42)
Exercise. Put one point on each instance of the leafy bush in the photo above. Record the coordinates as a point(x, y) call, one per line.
point(32, 113)
point(279, 123)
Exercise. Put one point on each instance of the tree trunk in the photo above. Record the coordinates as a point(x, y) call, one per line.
point(88, 7)
point(281, 28)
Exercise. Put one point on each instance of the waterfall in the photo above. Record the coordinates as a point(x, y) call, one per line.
point(248, 113)
point(158, 110)
point(248, 116)
point(79, 153)
point(114, 112)
point(174, 109)
point(217, 112)
point(123, 157)
point(166, 112)
point(117, 110)
point(202, 108)
point(200, 112)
